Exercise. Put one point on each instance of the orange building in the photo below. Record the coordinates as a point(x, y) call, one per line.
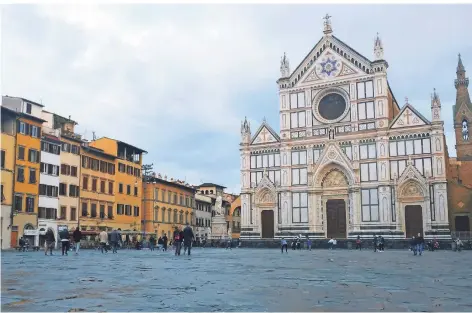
point(167, 204)
point(235, 214)
point(127, 181)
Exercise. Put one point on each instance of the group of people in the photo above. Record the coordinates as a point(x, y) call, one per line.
point(184, 237)
point(64, 236)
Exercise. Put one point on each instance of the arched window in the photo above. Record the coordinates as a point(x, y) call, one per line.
point(28, 226)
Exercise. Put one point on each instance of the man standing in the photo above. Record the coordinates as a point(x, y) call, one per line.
point(115, 237)
point(164, 242)
point(50, 240)
point(64, 235)
point(103, 241)
point(419, 244)
point(77, 235)
point(188, 238)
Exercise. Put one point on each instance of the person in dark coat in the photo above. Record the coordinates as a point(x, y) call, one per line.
point(64, 236)
point(181, 235)
point(152, 243)
point(115, 238)
point(77, 235)
point(188, 238)
point(50, 240)
point(165, 242)
point(177, 241)
point(419, 244)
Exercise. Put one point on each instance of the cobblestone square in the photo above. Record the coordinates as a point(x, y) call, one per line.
point(238, 280)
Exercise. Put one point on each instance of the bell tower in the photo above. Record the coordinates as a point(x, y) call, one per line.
point(462, 111)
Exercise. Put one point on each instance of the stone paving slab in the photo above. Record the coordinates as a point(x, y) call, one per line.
point(238, 280)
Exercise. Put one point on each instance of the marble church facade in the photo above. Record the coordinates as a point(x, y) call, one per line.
point(348, 160)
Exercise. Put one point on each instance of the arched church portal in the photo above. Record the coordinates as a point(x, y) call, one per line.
point(413, 201)
point(266, 202)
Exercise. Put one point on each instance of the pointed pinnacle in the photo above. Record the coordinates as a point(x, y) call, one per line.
point(460, 66)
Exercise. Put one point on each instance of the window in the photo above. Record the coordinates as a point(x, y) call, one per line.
point(181, 218)
point(110, 212)
point(169, 216)
point(297, 119)
point(35, 131)
point(21, 153)
point(94, 184)
point(30, 204)
point(75, 149)
point(102, 211)
point(426, 145)
point(163, 193)
point(20, 174)
point(409, 147)
point(128, 189)
point(3, 159)
point(93, 210)
point(423, 166)
point(102, 186)
point(367, 151)
point(128, 209)
point(366, 110)
point(85, 162)
point(28, 108)
point(299, 176)
point(136, 191)
point(111, 169)
point(298, 157)
point(175, 216)
point(120, 209)
point(32, 176)
point(62, 189)
point(73, 171)
point(316, 154)
point(300, 207)
point(84, 209)
point(121, 168)
point(393, 148)
point(163, 215)
point(85, 183)
point(370, 205)
point(397, 168)
point(63, 212)
point(18, 203)
point(110, 188)
point(368, 172)
point(73, 191)
point(120, 188)
point(73, 214)
point(297, 100)
point(22, 128)
point(348, 151)
point(365, 90)
point(33, 156)
point(136, 211)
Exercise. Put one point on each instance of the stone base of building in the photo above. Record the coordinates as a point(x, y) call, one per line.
point(402, 244)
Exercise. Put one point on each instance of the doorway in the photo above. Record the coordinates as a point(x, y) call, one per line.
point(462, 223)
point(14, 238)
point(267, 223)
point(336, 218)
point(413, 220)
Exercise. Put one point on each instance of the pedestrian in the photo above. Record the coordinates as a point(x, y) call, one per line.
point(181, 236)
point(188, 237)
point(164, 242)
point(127, 241)
point(332, 243)
point(77, 235)
point(419, 244)
point(177, 241)
point(103, 237)
point(50, 240)
point(115, 237)
point(22, 244)
point(381, 243)
point(459, 245)
point(152, 243)
point(283, 244)
point(358, 243)
point(160, 244)
point(308, 243)
point(229, 244)
point(64, 235)
point(376, 242)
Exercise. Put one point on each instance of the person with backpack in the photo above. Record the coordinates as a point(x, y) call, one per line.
point(77, 235)
point(64, 235)
point(358, 243)
point(50, 240)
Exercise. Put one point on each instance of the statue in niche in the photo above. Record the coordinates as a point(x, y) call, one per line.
point(465, 130)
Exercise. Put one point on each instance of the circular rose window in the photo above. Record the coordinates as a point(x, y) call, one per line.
point(332, 106)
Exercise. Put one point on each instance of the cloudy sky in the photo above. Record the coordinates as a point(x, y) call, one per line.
point(176, 80)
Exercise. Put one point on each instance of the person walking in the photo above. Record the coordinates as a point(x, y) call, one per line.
point(160, 244)
point(332, 243)
point(50, 240)
point(283, 244)
point(77, 235)
point(103, 237)
point(419, 244)
point(181, 236)
point(177, 241)
point(165, 241)
point(115, 237)
point(376, 242)
point(188, 237)
point(64, 236)
point(381, 244)
point(308, 243)
point(152, 243)
point(358, 243)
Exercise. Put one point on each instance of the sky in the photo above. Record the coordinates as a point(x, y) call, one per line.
point(177, 80)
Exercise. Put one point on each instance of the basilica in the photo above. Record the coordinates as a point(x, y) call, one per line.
point(349, 159)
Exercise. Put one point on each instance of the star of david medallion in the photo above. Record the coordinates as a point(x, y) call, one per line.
point(328, 67)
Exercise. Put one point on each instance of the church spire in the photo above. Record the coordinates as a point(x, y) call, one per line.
point(378, 49)
point(461, 83)
point(460, 66)
point(435, 107)
point(327, 25)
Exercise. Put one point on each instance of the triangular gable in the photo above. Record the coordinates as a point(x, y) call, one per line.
point(348, 56)
point(264, 183)
point(408, 117)
point(332, 153)
point(265, 134)
point(411, 173)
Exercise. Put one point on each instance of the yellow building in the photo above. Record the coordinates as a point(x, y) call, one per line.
point(97, 183)
point(8, 165)
point(235, 214)
point(26, 170)
point(167, 204)
point(127, 181)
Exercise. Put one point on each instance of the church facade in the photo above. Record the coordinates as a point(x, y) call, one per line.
point(348, 160)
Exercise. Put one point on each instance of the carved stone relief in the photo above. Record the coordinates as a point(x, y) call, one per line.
point(438, 145)
point(412, 190)
point(382, 149)
point(385, 209)
point(383, 170)
point(334, 178)
point(439, 166)
point(442, 211)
